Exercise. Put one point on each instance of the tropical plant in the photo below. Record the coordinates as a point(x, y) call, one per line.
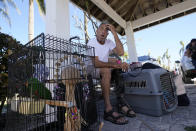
point(4, 9)
point(42, 10)
point(8, 45)
point(159, 60)
point(167, 57)
point(181, 49)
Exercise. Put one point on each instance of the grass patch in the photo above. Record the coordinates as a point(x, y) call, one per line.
point(190, 128)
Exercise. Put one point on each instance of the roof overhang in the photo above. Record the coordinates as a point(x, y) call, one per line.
point(141, 13)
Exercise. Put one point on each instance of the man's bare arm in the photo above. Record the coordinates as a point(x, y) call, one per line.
point(99, 64)
point(112, 60)
point(119, 46)
point(110, 64)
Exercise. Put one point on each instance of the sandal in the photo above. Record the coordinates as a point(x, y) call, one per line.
point(122, 103)
point(114, 119)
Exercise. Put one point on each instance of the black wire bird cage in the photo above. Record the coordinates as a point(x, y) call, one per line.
point(43, 75)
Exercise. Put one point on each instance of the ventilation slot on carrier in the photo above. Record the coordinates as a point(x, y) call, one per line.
point(136, 84)
point(168, 90)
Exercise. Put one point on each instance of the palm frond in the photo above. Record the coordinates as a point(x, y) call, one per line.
point(182, 48)
point(159, 59)
point(12, 3)
point(181, 52)
point(5, 15)
point(182, 43)
point(4, 9)
point(163, 57)
point(3, 4)
point(41, 6)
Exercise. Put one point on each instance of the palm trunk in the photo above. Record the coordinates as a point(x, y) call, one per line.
point(86, 27)
point(31, 20)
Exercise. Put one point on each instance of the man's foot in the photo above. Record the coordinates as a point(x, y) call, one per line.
point(115, 117)
point(126, 110)
point(124, 107)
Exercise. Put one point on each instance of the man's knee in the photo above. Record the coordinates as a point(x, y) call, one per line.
point(105, 73)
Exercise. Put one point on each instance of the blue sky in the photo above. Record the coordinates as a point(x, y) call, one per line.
point(155, 39)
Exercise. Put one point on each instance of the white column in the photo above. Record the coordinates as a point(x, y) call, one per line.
point(57, 24)
point(131, 42)
point(57, 18)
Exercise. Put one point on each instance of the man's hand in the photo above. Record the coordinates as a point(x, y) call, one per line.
point(119, 47)
point(124, 66)
point(111, 28)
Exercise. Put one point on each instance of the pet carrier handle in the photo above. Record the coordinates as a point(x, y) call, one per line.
point(135, 75)
point(74, 37)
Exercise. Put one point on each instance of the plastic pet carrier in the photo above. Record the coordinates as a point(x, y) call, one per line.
point(150, 91)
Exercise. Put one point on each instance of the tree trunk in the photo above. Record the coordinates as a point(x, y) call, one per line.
point(31, 20)
point(86, 28)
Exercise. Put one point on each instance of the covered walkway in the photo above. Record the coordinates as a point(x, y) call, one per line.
point(127, 16)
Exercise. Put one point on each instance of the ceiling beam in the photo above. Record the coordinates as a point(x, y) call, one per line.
point(110, 12)
point(168, 12)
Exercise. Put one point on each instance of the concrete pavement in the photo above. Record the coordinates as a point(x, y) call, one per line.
point(174, 121)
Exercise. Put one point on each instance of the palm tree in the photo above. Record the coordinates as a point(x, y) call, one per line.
point(182, 48)
point(159, 60)
point(4, 9)
point(86, 27)
point(168, 61)
point(42, 10)
point(167, 57)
